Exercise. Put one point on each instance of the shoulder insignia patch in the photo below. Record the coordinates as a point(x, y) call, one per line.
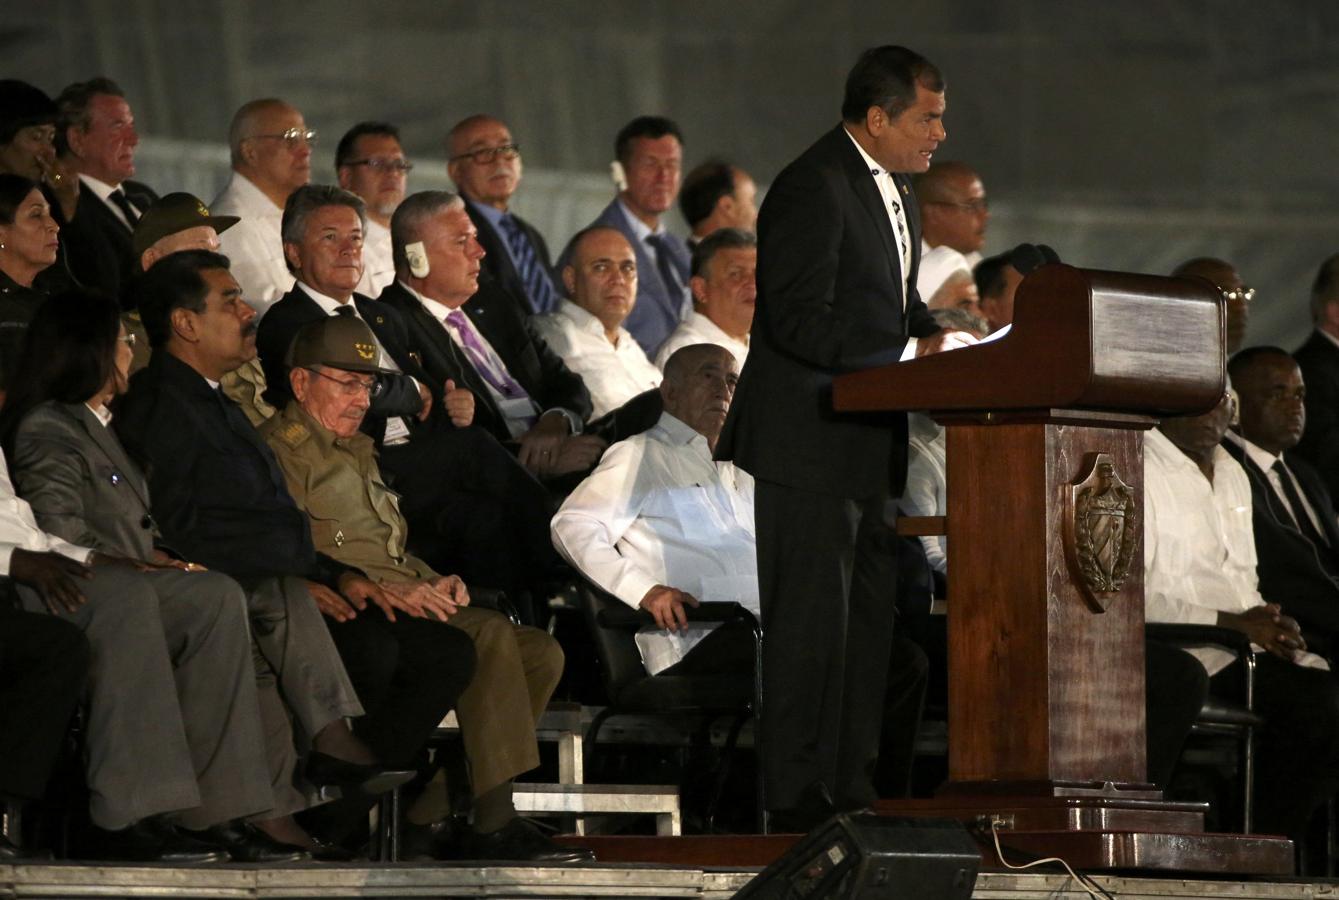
point(294, 434)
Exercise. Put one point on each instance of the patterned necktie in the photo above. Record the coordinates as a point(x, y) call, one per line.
point(669, 272)
point(118, 197)
point(538, 286)
point(485, 362)
point(1300, 517)
point(344, 310)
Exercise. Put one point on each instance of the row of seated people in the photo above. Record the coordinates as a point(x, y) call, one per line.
point(81, 148)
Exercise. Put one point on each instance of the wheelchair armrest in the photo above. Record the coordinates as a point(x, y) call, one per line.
point(1189, 635)
point(625, 617)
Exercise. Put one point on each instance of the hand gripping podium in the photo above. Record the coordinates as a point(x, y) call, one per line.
point(1044, 431)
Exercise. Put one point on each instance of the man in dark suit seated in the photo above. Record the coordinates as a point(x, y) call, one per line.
point(1319, 361)
point(649, 154)
point(220, 499)
point(331, 471)
point(485, 164)
point(470, 333)
point(1296, 537)
point(488, 518)
point(96, 137)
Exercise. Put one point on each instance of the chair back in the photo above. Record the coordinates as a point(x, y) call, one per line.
point(620, 661)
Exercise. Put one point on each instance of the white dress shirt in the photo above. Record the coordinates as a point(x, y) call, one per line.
point(103, 191)
point(378, 264)
point(254, 245)
point(613, 374)
point(925, 493)
point(894, 205)
point(659, 510)
point(698, 329)
point(1199, 546)
point(1266, 460)
point(19, 531)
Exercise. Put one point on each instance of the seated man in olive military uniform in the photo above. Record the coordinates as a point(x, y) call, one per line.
point(332, 473)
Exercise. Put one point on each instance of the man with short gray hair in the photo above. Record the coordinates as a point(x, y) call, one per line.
point(271, 149)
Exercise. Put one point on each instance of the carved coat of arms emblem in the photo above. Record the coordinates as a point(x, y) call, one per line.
point(1102, 531)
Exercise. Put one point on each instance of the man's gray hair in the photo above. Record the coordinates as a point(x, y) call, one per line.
point(410, 216)
point(307, 200)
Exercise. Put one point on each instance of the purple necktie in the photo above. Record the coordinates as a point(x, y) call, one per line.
point(485, 362)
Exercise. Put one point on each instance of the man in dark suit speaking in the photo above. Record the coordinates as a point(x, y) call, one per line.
point(838, 247)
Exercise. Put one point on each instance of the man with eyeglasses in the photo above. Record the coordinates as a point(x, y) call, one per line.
point(271, 149)
point(1223, 276)
point(370, 162)
point(485, 163)
point(954, 210)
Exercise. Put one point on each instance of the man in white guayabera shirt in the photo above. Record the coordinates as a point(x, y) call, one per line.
point(661, 526)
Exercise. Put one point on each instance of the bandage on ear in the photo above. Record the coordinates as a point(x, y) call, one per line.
point(417, 256)
point(620, 177)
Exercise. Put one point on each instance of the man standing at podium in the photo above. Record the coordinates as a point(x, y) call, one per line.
point(838, 246)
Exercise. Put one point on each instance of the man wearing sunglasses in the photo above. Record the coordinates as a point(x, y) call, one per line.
point(485, 163)
point(271, 150)
point(370, 162)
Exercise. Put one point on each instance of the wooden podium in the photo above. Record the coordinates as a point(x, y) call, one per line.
point(1044, 432)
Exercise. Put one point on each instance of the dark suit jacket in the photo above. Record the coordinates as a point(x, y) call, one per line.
point(829, 301)
point(399, 395)
point(80, 482)
point(659, 308)
point(1318, 359)
point(497, 264)
point(1291, 572)
point(529, 360)
point(97, 244)
point(217, 491)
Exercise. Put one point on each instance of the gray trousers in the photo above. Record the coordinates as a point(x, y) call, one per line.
point(298, 671)
point(172, 724)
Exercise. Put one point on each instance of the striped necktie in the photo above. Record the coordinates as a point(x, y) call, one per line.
point(538, 286)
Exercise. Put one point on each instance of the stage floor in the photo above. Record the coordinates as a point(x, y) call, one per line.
point(70, 880)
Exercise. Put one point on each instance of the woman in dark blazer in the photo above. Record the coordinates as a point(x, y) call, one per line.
point(83, 486)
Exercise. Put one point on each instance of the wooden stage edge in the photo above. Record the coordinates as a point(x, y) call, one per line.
point(394, 880)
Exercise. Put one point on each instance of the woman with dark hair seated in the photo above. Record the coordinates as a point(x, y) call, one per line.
point(28, 245)
point(70, 466)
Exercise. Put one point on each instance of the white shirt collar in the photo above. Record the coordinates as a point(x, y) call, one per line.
point(585, 321)
point(677, 430)
point(101, 189)
point(702, 322)
point(1329, 337)
point(874, 168)
point(104, 415)
point(639, 228)
point(1254, 452)
point(252, 196)
point(435, 308)
point(329, 304)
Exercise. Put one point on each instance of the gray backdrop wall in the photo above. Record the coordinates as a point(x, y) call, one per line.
point(1128, 136)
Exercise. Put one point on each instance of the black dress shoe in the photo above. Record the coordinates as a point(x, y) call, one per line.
point(246, 843)
point(324, 852)
point(153, 840)
point(520, 840)
point(326, 771)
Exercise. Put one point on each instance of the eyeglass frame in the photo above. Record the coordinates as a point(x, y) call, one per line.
point(508, 151)
point(1243, 293)
point(291, 136)
point(350, 388)
point(380, 166)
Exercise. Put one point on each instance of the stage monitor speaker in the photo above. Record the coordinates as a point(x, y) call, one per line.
point(861, 855)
